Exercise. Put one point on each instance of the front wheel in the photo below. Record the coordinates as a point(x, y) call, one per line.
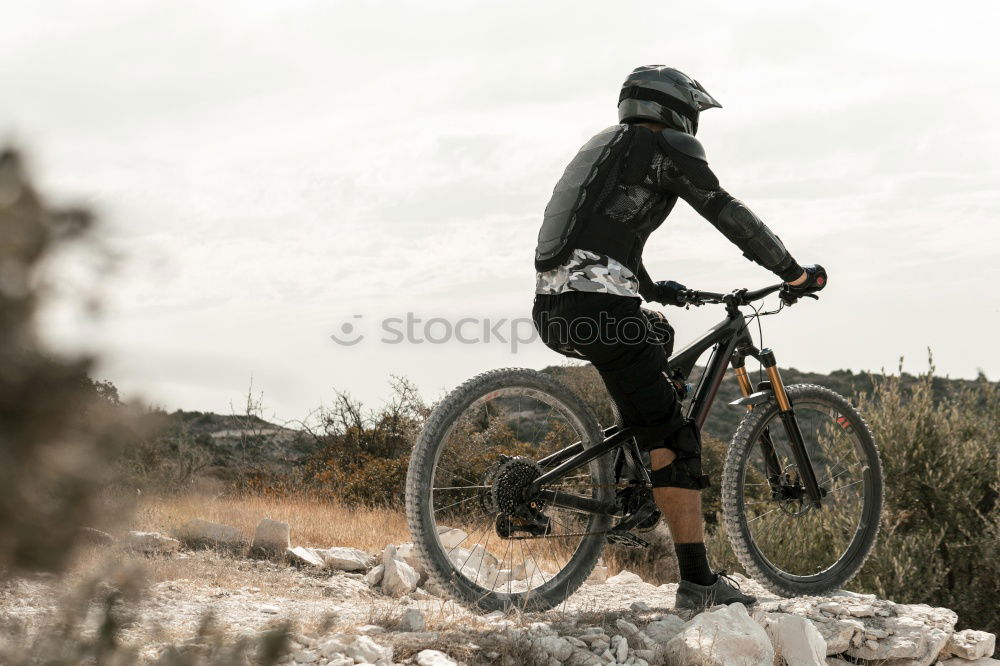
point(785, 543)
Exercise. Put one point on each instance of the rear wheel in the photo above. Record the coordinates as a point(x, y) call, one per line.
point(782, 541)
point(480, 539)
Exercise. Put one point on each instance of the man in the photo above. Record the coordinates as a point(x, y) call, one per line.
point(617, 190)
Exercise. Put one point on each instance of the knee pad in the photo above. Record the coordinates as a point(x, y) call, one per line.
point(685, 470)
point(681, 473)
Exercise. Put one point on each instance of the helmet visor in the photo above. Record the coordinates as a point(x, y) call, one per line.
point(702, 100)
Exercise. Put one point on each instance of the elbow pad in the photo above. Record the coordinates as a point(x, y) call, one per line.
point(760, 244)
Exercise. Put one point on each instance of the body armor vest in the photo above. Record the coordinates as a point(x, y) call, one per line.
point(576, 215)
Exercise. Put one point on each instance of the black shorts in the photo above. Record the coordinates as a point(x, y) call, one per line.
point(628, 346)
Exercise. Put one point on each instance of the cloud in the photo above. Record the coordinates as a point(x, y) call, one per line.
point(272, 170)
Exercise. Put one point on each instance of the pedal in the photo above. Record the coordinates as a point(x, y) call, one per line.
point(627, 539)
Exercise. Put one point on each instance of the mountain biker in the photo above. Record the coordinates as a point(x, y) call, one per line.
point(616, 191)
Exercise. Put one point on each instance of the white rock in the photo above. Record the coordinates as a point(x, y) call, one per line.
point(270, 609)
point(598, 575)
point(863, 610)
point(303, 657)
point(498, 579)
point(340, 660)
point(366, 650)
point(408, 553)
point(969, 644)
point(412, 620)
point(345, 559)
point(334, 646)
point(838, 634)
point(272, 536)
point(833, 608)
point(637, 640)
point(434, 658)
point(206, 532)
point(374, 577)
point(625, 578)
point(482, 561)
point(796, 639)
point(558, 648)
point(305, 555)
point(917, 635)
point(661, 631)
point(150, 543)
point(722, 636)
point(398, 578)
point(619, 647)
point(581, 657)
point(371, 629)
point(458, 556)
point(525, 569)
point(451, 538)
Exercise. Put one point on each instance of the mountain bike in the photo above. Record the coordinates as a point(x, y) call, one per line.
point(514, 489)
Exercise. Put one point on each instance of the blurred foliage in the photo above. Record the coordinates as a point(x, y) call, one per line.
point(56, 436)
point(63, 437)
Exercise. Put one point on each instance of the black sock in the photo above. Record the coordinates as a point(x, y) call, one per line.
point(693, 563)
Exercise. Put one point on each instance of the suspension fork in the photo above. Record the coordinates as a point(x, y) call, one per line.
point(772, 468)
point(791, 424)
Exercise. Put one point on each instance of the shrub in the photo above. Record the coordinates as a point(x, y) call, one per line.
point(55, 434)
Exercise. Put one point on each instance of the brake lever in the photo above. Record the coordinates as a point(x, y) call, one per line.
point(790, 300)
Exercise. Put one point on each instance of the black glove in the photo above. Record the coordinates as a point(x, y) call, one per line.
point(668, 292)
point(815, 281)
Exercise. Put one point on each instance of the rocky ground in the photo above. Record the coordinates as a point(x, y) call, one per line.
point(351, 607)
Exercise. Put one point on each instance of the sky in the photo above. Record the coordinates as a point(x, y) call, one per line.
point(275, 173)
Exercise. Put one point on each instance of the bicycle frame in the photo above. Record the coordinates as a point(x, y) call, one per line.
point(731, 343)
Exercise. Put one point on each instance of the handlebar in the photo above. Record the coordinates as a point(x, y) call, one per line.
point(737, 297)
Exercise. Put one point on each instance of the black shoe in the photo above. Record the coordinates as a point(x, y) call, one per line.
point(724, 590)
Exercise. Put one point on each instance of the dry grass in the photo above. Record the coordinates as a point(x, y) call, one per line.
point(313, 522)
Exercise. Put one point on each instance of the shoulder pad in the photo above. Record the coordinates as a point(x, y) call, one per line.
point(684, 143)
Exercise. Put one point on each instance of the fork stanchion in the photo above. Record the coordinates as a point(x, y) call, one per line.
point(742, 378)
point(771, 368)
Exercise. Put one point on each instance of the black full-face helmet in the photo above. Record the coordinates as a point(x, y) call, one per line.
point(664, 95)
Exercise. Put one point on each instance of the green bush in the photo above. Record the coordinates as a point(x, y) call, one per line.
point(941, 526)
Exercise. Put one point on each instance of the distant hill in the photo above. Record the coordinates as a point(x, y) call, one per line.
point(236, 437)
point(231, 438)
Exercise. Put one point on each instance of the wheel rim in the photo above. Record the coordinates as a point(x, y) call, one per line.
point(525, 424)
point(795, 541)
